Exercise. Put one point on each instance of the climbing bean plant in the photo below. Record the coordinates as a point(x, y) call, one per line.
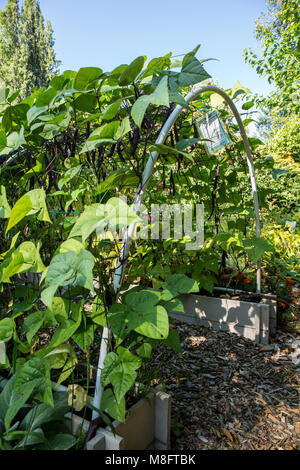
point(221, 183)
point(65, 152)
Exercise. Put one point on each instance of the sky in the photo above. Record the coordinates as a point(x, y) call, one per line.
point(107, 33)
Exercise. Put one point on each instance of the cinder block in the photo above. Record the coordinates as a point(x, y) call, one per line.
point(138, 430)
point(112, 441)
point(162, 420)
point(97, 443)
point(147, 426)
point(246, 319)
point(264, 322)
point(273, 315)
point(74, 423)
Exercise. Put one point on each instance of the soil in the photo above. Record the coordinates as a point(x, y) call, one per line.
point(228, 393)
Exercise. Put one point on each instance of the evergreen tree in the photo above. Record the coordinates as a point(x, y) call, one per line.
point(27, 57)
point(9, 44)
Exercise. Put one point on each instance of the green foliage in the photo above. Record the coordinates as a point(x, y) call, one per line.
point(68, 268)
point(81, 145)
point(30, 204)
point(141, 315)
point(284, 260)
point(285, 141)
point(279, 34)
point(39, 124)
point(36, 425)
point(159, 97)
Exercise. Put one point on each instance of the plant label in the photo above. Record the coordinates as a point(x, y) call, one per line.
point(211, 129)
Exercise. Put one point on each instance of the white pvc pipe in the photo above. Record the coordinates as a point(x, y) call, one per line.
point(102, 355)
point(139, 197)
point(12, 158)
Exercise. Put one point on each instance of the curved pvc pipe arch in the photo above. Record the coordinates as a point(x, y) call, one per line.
point(139, 197)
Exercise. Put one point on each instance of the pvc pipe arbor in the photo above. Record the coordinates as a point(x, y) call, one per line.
point(138, 200)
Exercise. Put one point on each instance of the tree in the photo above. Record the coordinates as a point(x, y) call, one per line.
point(9, 44)
point(27, 57)
point(278, 31)
point(264, 123)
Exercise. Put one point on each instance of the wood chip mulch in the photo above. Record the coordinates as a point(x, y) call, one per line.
point(228, 393)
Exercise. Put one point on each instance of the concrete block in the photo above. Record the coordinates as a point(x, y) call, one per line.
point(74, 423)
point(147, 426)
point(97, 443)
point(273, 315)
point(248, 319)
point(112, 441)
point(264, 322)
point(138, 430)
point(162, 420)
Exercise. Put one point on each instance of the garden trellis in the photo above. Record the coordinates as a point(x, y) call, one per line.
point(92, 136)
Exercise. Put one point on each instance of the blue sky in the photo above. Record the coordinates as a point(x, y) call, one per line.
point(109, 33)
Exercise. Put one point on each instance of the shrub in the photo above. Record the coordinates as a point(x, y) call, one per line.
point(286, 141)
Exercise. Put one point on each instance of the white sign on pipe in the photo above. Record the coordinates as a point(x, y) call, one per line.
point(211, 129)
